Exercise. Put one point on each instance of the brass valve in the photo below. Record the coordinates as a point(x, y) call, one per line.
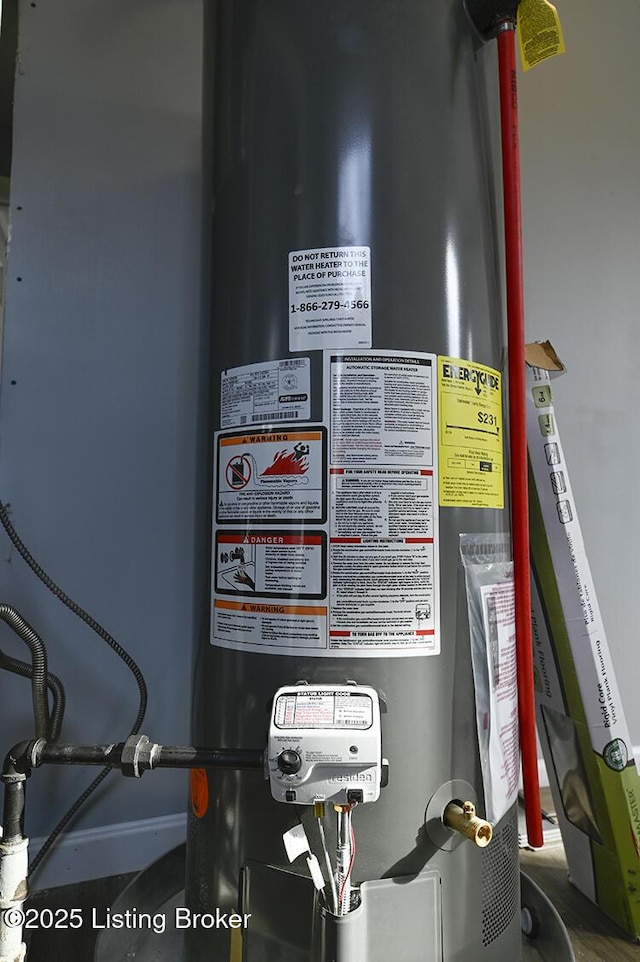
point(465, 821)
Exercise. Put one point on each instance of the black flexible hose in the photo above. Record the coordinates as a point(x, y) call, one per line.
point(54, 685)
point(40, 573)
point(79, 612)
point(39, 666)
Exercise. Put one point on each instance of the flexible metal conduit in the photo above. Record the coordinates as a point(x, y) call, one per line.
point(39, 661)
point(54, 685)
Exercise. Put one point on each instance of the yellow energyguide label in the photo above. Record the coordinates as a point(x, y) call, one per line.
point(471, 461)
point(539, 32)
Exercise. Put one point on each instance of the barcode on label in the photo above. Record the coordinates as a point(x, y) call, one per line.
point(276, 416)
point(294, 362)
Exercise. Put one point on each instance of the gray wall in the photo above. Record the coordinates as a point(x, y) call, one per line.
point(99, 376)
point(580, 127)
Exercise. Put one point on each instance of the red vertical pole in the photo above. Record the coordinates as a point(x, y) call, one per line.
point(518, 425)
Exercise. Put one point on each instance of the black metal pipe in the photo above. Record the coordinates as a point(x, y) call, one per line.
point(19, 761)
point(165, 756)
point(13, 814)
point(178, 757)
point(26, 756)
point(107, 755)
point(15, 771)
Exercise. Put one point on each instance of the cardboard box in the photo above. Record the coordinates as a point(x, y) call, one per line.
point(581, 723)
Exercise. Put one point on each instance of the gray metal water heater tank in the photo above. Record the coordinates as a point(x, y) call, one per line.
point(356, 319)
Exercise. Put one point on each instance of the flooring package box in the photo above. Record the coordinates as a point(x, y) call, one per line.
point(581, 723)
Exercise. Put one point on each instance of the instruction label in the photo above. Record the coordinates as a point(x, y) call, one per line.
point(383, 556)
point(381, 502)
point(329, 298)
point(274, 476)
point(298, 629)
point(503, 765)
point(470, 434)
point(381, 409)
point(539, 32)
point(273, 391)
point(382, 594)
point(271, 563)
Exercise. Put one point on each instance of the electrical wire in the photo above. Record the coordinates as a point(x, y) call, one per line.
point(327, 860)
point(69, 815)
point(350, 868)
point(110, 641)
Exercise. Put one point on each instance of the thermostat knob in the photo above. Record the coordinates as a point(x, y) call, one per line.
point(289, 762)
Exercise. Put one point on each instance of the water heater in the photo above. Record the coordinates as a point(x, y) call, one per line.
point(356, 434)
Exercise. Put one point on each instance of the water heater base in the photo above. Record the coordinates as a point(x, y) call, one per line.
point(158, 889)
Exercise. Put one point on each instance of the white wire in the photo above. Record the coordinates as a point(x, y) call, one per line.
point(332, 881)
point(344, 898)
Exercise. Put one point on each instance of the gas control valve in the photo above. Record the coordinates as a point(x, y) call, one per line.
point(325, 744)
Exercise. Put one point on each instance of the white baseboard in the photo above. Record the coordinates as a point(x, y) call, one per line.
point(107, 850)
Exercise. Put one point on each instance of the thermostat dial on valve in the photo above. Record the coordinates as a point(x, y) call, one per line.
point(325, 744)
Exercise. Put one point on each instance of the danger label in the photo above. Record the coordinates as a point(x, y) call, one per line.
point(271, 564)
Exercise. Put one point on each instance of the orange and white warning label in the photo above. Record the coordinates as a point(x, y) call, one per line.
point(272, 476)
point(270, 627)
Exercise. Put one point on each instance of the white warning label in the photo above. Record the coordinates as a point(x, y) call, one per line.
point(279, 628)
point(263, 393)
point(275, 476)
point(329, 298)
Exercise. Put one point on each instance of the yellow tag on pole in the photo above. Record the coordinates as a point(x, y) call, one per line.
point(539, 32)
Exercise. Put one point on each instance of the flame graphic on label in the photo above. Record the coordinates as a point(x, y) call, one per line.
point(287, 463)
